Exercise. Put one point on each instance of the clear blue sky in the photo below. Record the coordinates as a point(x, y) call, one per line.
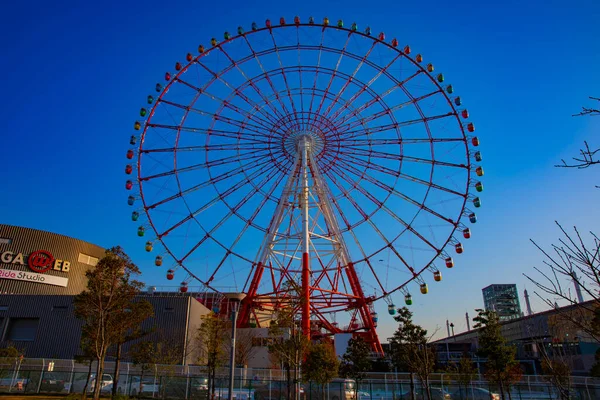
point(75, 74)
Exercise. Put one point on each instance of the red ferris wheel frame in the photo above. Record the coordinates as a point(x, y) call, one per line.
point(336, 146)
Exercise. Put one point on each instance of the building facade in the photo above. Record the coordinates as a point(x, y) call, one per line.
point(549, 334)
point(40, 274)
point(503, 300)
point(42, 263)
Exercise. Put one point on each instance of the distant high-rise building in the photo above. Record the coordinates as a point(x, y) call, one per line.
point(504, 300)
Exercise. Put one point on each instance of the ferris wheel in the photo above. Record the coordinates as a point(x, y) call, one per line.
point(309, 165)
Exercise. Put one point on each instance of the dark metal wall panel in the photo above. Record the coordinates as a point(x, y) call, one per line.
point(26, 241)
point(59, 332)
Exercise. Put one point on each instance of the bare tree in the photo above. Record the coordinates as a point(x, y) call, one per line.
point(572, 260)
point(547, 342)
point(244, 347)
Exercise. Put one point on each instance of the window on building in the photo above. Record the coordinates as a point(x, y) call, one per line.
point(60, 308)
point(169, 309)
point(5, 240)
point(86, 259)
point(22, 329)
point(3, 308)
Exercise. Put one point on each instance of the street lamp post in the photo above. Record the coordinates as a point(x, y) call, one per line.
point(234, 300)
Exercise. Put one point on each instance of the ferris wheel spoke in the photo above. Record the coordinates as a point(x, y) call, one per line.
point(400, 141)
point(214, 200)
point(205, 165)
point(250, 81)
point(395, 192)
point(247, 114)
point(348, 196)
point(370, 153)
point(364, 87)
point(226, 175)
point(300, 74)
point(252, 146)
point(287, 86)
point(374, 100)
point(388, 127)
point(233, 211)
point(366, 259)
point(334, 73)
point(217, 117)
point(257, 59)
point(219, 77)
point(317, 69)
point(350, 78)
point(213, 132)
point(391, 172)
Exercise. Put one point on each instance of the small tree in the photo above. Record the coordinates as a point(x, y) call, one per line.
point(410, 350)
point(212, 338)
point(110, 291)
point(501, 368)
point(320, 366)
point(128, 328)
point(463, 373)
point(143, 354)
point(9, 352)
point(244, 348)
point(288, 345)
point(356, 360)
point(558, 373)
point(595, 371)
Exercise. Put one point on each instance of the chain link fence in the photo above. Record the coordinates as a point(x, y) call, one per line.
point(43, 376)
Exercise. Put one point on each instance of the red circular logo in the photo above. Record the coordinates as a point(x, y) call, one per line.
point(40, 261)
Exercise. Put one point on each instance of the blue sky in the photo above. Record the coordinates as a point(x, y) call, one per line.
point(75, 75)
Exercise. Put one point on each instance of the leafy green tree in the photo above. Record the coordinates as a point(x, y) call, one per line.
point(410, 350)
point(356, 360)
point(320, 366)
point(110, 292)
point(501, 367)
point(212, 340)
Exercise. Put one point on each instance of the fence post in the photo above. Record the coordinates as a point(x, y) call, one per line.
point(587, 388)
point(187, 381)
point(41, 376)
point(72, 376)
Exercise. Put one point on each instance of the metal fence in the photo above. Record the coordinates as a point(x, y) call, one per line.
point(32, 376)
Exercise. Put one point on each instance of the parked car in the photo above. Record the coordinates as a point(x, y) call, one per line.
point(476, 394)
point(134, 386)
point(105, 384)
point(436, 394)
point(54, 381)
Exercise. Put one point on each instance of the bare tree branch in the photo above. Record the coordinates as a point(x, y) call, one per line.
point(587, 156)
point(589, 111)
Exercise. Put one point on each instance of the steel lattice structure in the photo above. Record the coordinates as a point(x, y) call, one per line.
point(312, 166)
